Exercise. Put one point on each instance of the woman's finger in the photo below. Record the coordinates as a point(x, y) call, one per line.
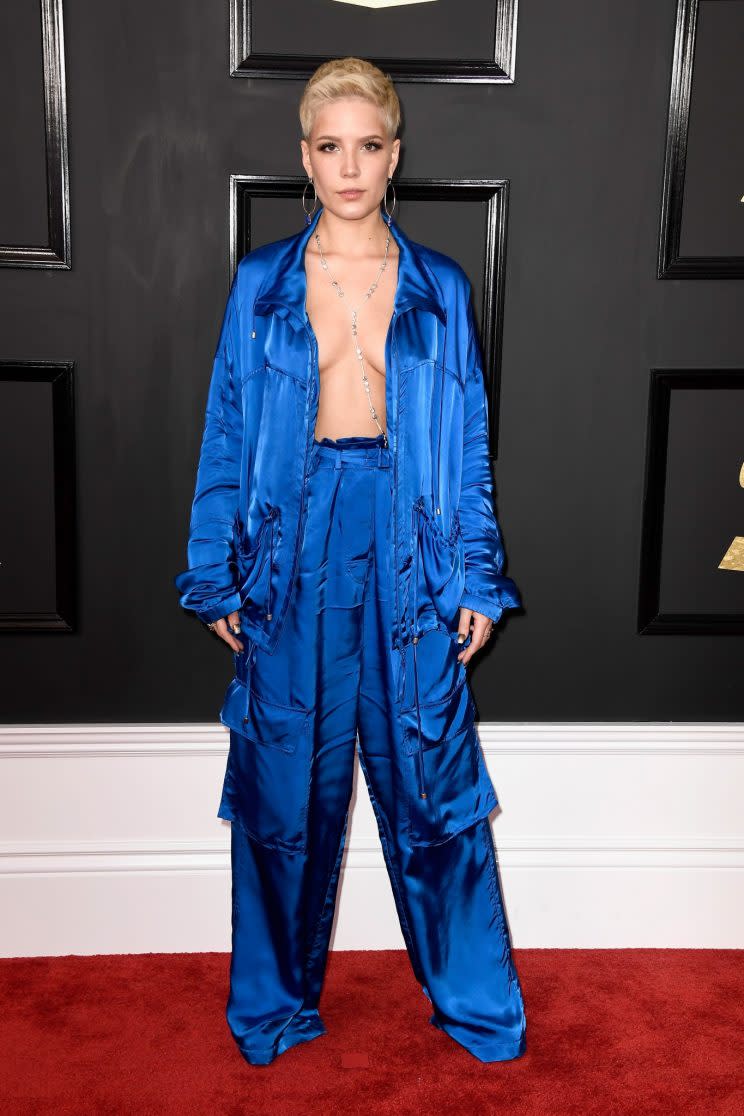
point(220, 628)
point(478, 637)
point(463, 627)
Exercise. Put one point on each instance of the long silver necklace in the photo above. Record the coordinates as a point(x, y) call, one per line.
point(370, 292)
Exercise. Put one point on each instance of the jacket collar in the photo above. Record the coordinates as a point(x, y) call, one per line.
point(285, 285)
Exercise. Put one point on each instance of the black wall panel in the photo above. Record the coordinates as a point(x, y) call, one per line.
point(156, 127)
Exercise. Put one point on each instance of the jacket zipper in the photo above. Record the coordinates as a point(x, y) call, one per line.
point(394, 351)
point(420, 749)
point(437, 505)
point(313, 352)
point(417, 509)
point(401, 619)
point(272, 515)
point(250, 658)
point(295, 557)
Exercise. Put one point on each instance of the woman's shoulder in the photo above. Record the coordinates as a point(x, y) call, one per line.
point(446, 269)
point(257, 261)
point(254, 266)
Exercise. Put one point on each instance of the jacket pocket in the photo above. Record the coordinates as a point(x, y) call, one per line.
point(439, 565)
point(267, 780)
point(255, 567)
point(433, 679)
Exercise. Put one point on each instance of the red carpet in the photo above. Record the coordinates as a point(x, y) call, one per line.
point(640, 1031)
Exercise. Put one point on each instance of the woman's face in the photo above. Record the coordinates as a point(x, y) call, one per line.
point(350, 150)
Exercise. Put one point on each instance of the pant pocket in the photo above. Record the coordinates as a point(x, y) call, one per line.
point(458, 787)
point(267, 781)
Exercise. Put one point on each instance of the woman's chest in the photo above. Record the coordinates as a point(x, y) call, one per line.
point(345, 324)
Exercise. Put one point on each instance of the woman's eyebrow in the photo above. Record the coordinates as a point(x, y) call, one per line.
point(336, 138)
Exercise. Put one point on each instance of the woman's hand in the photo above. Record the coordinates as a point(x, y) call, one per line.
point(481, 632)
point(220, 628)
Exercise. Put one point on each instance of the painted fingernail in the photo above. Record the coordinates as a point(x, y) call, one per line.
point(460, 637)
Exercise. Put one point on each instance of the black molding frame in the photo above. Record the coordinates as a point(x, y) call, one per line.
point(57, 252)
point(650, 620)
point(670, 264)
point(60, 374)
point(494, 192)
point(501, 69)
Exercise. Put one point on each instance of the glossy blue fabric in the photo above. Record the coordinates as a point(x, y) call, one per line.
point(249, 510)
point(294, 713)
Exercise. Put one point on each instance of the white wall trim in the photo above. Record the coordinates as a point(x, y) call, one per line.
point(608, 834)
point(502, 738)
point(613, 738)
point(39, 858)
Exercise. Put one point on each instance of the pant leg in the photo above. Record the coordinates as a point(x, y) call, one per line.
point(270, 1005)
point(447, 895)
point(289, 809)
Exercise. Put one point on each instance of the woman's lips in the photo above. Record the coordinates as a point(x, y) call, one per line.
point(350, 193)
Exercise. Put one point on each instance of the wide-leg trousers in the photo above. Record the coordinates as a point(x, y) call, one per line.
point(330, 684)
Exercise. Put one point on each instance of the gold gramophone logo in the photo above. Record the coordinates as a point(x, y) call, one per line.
point(733, 559)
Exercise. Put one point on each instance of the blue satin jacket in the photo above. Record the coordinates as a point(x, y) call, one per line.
point(248, 512)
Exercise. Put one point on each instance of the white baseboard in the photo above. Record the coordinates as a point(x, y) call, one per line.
point(608, 835)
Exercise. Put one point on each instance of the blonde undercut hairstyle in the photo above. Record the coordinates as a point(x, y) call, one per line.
point(349, 77)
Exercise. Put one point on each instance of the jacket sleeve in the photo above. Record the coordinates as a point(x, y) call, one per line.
point(208, 586)
point(486, 590)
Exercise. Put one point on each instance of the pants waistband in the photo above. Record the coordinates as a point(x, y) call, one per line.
point(355, 450)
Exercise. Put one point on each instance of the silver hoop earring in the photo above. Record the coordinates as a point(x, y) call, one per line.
point(388, 215)
point(309, 216)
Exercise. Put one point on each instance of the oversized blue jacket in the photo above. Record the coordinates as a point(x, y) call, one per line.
point(248, 512)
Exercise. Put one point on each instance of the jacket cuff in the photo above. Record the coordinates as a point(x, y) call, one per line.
point(487, 606)
point(213, 612)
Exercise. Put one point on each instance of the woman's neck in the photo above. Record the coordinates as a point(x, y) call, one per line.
point(351, 239)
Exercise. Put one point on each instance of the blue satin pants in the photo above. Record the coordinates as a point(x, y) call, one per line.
point(287, 788)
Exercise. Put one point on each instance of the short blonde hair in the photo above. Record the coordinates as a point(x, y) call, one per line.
point(349, 77)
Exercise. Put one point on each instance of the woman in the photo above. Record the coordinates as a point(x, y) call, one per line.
point(343, 525)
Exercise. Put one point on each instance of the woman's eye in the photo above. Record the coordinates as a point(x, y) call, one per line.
point(370, 144)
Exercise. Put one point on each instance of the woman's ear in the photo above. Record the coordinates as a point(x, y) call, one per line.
point(395, 155)
point(305, 152)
